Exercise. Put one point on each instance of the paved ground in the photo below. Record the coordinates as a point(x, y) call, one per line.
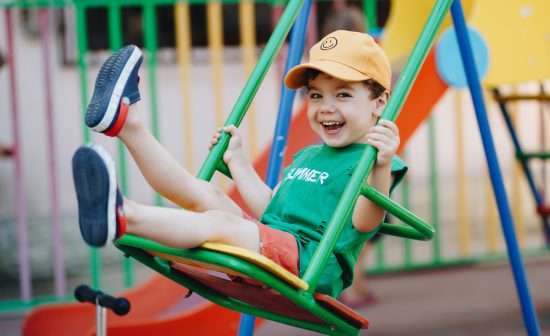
point(474, 300)
point(478, 300)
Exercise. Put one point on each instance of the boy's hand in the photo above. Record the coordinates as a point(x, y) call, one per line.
point(234, 149)
point(385, 138)
point(215, 138)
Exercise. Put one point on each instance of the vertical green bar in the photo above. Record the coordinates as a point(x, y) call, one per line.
point(380, 259)
point(370, 8)
point(82, 52)
point(434, 193)
point(95, 262)
point(151, 43)
point(115, 43)
point(407, 245)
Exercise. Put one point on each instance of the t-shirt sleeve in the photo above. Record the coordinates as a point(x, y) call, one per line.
point(398, 169)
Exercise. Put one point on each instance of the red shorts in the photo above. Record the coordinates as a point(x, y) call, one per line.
point(277, 245)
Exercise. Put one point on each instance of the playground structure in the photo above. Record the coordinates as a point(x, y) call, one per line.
point(412, 95)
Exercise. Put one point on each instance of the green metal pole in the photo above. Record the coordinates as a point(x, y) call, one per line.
point(82, 37)
point(81, 24)
point(365, 165)
point(370, 9)
point(434, 191)
point(214, 158)
point(115, 43)
point(151, 44)
point(380, 255)
point(407, 244)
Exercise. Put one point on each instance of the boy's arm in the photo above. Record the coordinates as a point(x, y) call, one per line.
point(384, 137)
point(366, 214)
point(255, 193)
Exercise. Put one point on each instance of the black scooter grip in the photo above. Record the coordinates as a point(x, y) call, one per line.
point(119, 306)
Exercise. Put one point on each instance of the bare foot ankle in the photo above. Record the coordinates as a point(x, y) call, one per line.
point(133, 121)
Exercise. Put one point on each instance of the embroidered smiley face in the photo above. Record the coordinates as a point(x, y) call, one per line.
point(329, 43)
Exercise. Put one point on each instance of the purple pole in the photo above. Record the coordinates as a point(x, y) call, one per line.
point(22, 234)
point(57, 241)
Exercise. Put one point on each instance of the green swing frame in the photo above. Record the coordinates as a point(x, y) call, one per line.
point(333, 318)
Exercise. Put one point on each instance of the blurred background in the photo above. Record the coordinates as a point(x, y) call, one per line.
point(198, 56)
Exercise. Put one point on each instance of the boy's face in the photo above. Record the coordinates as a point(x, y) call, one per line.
point(342, 112)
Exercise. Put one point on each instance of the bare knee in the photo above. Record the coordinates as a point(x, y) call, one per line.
point(221, 220)
point(211, 198)
point(231, 229)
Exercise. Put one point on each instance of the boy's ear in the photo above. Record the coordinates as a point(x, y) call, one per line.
point(381, 102)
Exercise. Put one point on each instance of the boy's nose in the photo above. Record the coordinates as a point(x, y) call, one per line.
point(328, 108)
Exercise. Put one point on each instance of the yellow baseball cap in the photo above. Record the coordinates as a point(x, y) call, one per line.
point(346, 55)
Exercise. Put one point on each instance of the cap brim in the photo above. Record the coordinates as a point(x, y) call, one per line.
point(296, 77)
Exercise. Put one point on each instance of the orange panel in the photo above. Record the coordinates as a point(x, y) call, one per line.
point(426, 91)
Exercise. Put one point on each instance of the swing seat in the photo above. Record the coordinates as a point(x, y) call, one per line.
point(279, 296)
point(270, 300)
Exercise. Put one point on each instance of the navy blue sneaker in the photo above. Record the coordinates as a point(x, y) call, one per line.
point(116, 88)
point(100, 211)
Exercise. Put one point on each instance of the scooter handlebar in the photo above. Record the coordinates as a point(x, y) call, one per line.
point(119, 306)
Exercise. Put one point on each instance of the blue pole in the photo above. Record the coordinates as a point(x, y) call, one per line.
point(284, 115)
point(529, 316)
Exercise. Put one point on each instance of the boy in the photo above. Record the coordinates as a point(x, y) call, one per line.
point(347, 79)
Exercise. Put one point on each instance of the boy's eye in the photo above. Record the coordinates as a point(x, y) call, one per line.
point(343, 95)
point(314, 95)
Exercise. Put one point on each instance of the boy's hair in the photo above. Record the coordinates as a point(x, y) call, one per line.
point(375, 88)
point(346, 55)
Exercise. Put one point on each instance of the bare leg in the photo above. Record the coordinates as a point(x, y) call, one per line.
point(358, 290)
point(216, 216)
point(167, 176)
point(358, 294)
point(102, 211)
point(116, 88)
point(180, 228)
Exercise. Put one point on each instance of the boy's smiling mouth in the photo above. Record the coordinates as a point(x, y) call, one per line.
point(332, 126)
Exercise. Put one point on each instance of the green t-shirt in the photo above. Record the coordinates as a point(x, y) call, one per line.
point(305, 201)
